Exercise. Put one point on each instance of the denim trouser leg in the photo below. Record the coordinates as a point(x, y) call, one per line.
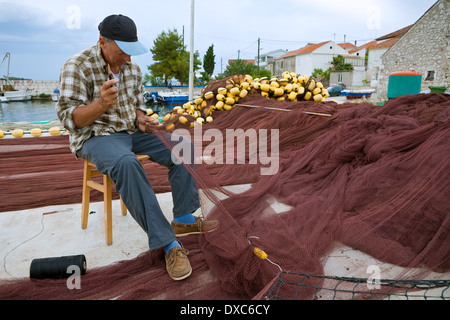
point(115, 155)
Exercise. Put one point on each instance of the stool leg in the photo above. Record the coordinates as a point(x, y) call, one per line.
point(107, 196)
point(123, 207)
point(86, 196)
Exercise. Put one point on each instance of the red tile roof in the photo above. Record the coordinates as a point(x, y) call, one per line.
point(307, 49)
point(385, 44)
point(346, 45)
point(395, 34)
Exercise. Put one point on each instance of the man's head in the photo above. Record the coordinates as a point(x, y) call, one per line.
point(118, 39)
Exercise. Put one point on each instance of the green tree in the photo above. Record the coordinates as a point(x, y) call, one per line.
point(243, 67)
point(171, 58)
point(322, 76)
point(209, 61)
point(340, 65)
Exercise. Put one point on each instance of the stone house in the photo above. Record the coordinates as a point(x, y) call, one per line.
point(375, 51)
point(424, 48)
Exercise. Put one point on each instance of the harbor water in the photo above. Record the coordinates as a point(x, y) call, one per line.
point(45, 110)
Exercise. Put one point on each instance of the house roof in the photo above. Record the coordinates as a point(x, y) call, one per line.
point(395, 34)
point(307, 49)
point(346, 45)
point(385, 44)
point(364, 46)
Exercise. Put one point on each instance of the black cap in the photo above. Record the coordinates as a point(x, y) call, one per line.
point(123, 31)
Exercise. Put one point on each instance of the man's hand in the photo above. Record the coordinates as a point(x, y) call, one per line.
point(109, 94)
point(147, 124)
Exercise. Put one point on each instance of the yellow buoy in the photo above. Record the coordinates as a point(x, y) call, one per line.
point(316, 91)
point(17, 133)
point(54, 131)
point(243, 93)
point(278, 92)
point(234, 91)
point(325, 93)
point(198, 101)
point(2, 134)
point(318, 97)
point(200, 120)
point(220, 97)
point(275, 84)
point(209, 119)
point(230, 101)
point(170, 126)
point(307, 96)
point(244, 85)
point(260, 254)
point(311, 85)
point(301, 90)
point(183, 119)
point(149, 112)
point(219, 105)
point(222, 91)
point(265, 87)
point(289, 87)
point(292, 95)
point(227, 107)
point(36, 132)
point(209, 95)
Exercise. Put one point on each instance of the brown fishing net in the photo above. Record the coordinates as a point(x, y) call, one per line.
point(373, 178)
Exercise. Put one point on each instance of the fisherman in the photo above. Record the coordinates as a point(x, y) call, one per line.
point(108, 126)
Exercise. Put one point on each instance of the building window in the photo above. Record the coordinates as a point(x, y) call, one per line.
point(339, 77)
point(430, 76)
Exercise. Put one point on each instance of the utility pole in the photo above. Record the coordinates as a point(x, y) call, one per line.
point(259, 46)
point(191, 61)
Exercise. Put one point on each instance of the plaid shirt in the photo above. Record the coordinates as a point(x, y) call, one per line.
point(81, 79)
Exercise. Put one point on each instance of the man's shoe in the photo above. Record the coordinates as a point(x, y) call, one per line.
point(177, 263)
point(200, 226)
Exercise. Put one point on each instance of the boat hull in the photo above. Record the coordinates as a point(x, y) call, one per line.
point(20, 95)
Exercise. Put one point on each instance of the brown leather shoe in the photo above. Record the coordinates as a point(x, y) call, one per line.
point(177, 263)
point(200, 226)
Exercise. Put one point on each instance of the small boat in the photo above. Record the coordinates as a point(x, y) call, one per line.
point(55, 95)
point(18, 95)
point(357, 94)
point(3, 99)
point(153, 98)
point(174, 97)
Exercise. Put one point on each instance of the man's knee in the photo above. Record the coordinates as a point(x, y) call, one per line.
point(126, 166)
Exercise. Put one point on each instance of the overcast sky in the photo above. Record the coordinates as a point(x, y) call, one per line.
point(42, 35)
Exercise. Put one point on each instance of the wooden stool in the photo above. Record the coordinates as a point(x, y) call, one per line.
point(90, 170)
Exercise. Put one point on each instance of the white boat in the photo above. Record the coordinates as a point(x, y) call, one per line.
point(18, 95)
point(55, 97)
point(3, 99)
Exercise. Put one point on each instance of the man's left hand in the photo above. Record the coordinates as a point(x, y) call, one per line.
point(147, 124)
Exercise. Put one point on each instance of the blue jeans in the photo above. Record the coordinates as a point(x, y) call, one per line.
point(115, 155)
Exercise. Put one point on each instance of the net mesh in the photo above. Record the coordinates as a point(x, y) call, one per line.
point(374, 179)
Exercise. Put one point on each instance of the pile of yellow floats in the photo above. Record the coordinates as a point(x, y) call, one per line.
point(36, 132)
point(289, 87)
